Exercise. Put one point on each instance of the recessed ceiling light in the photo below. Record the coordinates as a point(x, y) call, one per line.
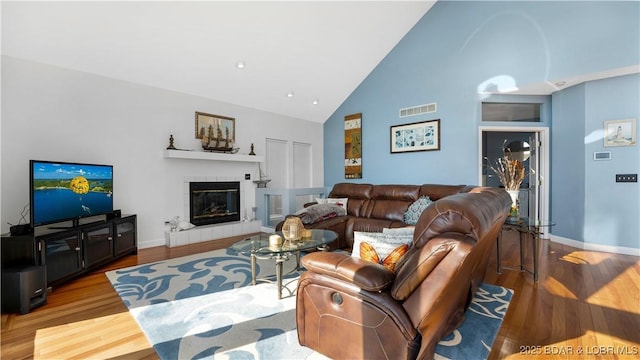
point(290, 94)
point(240, 64)
point(561, 83)
point(315, 102)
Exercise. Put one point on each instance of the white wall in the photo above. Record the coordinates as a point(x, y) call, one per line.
point(50, 113)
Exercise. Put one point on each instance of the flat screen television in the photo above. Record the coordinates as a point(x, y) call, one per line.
point(63, 191)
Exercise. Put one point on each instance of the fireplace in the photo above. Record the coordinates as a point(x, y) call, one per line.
point(214, 202)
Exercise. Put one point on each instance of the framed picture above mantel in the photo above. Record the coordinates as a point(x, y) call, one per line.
point(215, 131)
point(418, 136)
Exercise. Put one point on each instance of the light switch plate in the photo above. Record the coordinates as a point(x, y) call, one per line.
point(626, 177)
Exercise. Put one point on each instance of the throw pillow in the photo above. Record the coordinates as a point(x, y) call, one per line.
point(403, 234)
point(407, 230)
point(338, 201)
point(388, 248)
point(369, 253)
point(414, 211)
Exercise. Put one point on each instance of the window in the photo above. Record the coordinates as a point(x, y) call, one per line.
point(524, 112)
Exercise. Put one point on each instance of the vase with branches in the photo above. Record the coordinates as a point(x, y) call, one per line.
point(511, 173)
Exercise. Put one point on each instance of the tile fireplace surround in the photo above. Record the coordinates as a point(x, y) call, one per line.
point(214, 231)
point(210, 232)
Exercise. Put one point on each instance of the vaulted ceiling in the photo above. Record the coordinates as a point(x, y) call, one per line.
point(318, 51)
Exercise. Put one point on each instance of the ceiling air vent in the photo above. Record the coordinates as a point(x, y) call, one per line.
point(417, 110)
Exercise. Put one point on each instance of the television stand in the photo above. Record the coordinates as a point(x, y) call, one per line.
point(73, 251)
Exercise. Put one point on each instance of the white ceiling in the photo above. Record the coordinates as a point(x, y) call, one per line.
point(316, 49)
point(319, 50)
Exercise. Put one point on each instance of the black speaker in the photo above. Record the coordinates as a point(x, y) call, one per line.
point(114, 214)
point(21, 229)
point(24, 288)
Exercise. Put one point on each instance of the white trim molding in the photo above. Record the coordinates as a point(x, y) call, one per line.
point(623, 250)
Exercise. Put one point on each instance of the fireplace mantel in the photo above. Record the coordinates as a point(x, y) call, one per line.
point(202, 155)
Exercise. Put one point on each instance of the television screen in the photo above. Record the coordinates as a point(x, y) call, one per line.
point(67, 191)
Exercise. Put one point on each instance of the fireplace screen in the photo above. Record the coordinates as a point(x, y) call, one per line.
point(214, 202)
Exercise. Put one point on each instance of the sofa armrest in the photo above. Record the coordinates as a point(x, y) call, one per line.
point(365, 274)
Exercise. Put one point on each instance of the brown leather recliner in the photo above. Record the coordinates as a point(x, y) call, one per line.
point(349, 308)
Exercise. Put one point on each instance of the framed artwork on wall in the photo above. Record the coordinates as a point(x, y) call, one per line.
point(215, 131)
point(418, 136)
point(353, 146)
point(620, 132)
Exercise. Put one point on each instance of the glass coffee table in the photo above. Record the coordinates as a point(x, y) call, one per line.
point(258, 247)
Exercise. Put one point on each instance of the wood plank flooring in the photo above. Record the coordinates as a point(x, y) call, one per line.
point(586, 305)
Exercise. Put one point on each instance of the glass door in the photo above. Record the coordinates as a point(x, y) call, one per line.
point(125, 235)
point(98, 244)
point(63, 255)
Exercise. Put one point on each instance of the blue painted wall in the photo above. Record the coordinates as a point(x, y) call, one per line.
point(568, 162)
point(593, 208)
point(612, 210)
point(461, 49)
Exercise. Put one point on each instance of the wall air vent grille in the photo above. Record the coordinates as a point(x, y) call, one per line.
point(417, 110)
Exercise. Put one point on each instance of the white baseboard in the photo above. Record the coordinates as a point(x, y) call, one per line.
point(203, 233)
point(151, 243)
point(595, 247)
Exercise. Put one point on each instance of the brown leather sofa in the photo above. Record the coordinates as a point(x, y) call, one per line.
point(348, 308)
point(371, 208)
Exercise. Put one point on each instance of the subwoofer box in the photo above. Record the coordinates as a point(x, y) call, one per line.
point(23, 288)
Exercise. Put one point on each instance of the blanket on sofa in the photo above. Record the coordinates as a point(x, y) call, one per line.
point(318, 212)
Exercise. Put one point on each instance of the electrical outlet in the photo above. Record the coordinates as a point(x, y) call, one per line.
point(626, 177)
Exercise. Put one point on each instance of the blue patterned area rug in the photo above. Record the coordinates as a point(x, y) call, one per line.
point(203, 306)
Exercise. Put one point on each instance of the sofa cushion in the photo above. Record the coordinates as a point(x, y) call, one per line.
point(366, 275)
point(437, 191)
point(351, 190)
point(408, 193)
point(358, 194)
point(390, 201)
point(367, 225)
point(388, 209)
point(414, 211)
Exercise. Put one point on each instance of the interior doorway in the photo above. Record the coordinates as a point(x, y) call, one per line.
point(532, 144)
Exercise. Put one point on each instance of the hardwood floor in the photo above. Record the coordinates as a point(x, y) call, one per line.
point(85, 318)
point(586, 304)
point(585, 301)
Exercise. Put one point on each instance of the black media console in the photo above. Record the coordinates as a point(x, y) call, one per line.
point(32, 263)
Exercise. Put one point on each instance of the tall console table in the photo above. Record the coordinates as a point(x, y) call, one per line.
point(526, 227)
point(32, 263)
